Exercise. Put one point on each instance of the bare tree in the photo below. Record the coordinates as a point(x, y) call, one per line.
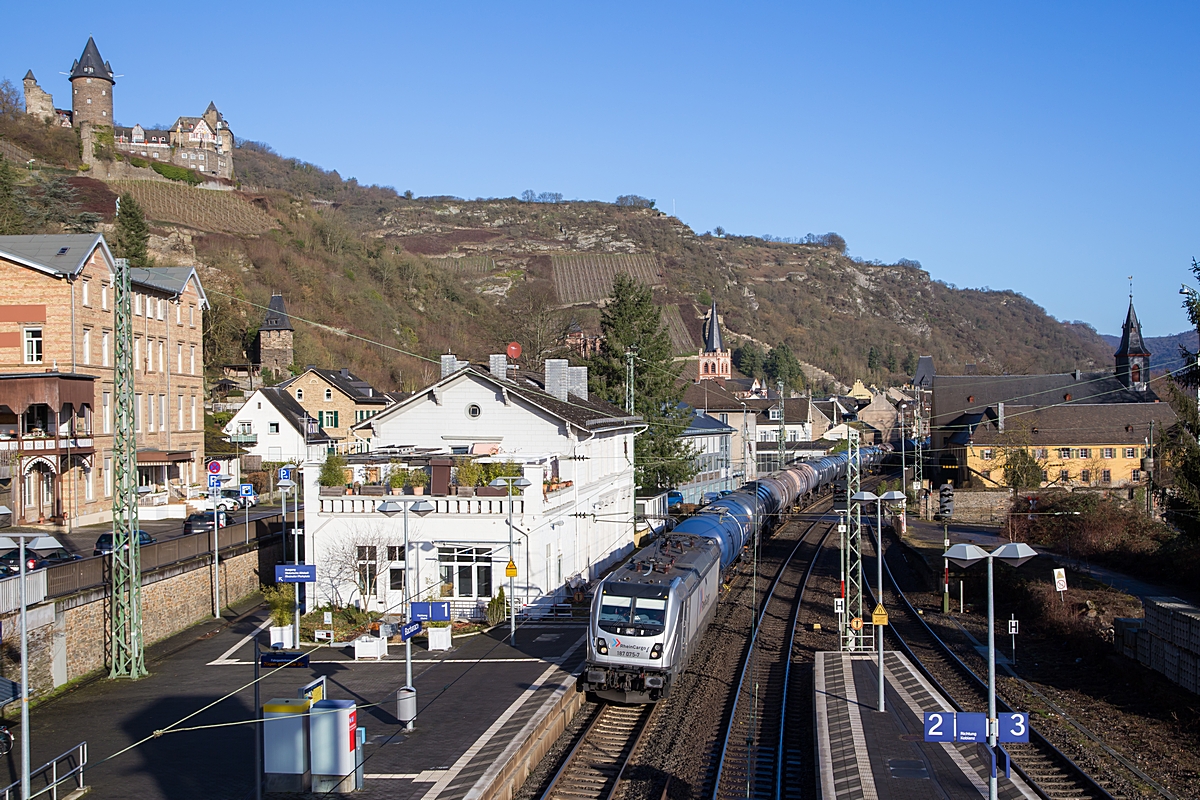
point(356, 561)
point(534, 320)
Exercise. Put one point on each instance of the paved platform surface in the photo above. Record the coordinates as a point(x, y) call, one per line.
point(473, 703)
point(865, 755)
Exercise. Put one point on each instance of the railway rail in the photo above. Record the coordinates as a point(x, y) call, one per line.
point(1046, 769)
point(593, 768)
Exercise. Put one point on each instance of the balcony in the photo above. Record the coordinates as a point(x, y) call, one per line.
point(244, 439)
point(473, 506)
point(33, 444)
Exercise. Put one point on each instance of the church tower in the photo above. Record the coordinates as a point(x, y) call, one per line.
point(1133, 357)
point(275, 338)
point(92, 88)
point(715, 361)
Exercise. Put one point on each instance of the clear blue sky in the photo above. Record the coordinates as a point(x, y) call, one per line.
point(1046, 148)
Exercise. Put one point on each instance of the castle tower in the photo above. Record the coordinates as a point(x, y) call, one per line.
point(92, 88)
point(715, 361)
point(38, 102)
point(275, 338)
point(1133, 357)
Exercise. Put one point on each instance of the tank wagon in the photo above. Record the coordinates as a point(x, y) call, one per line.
point(648, 615)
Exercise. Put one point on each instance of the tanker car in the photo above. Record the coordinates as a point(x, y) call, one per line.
point(649, 614)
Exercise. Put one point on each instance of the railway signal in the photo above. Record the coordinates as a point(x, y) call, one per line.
point(946, 501)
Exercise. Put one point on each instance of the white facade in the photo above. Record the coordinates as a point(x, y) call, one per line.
point(260, 428)
point(460, 551)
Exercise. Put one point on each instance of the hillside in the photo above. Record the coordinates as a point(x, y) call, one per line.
point(377, 270)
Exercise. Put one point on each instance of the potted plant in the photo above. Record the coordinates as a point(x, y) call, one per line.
point(332, 478)
point(397, 480)
point(418, 479)
point(439, 635)
point(280, 599)
point(469, 475)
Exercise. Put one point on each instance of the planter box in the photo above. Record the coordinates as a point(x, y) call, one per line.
point(370, 647)
point(439, 638)
point(418, 490)
point(494, 491)
point(331, 491)
point(281, 636)
point(466, 491)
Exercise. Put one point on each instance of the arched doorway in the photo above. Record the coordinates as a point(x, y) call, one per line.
point(37, 495)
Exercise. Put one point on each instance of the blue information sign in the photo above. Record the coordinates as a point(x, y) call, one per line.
point(970, 727)
point(410, 630)
point(1014, 726)
point(939, 726)
point(283, 658)
point(285, 473)
point(430, 612)
point(295, 573)
point(247, 489)
point(214, 481)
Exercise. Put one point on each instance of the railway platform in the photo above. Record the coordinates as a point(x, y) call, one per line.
point(865, 755)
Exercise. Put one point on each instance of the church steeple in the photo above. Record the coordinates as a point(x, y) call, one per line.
point(1133, 357)
point(715, 361)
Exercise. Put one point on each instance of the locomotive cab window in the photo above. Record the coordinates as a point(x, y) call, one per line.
point(633, 615)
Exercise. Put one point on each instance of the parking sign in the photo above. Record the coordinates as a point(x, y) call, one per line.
point(214, 468)
point(247, 490)
point(285, 473)
point(214, 481)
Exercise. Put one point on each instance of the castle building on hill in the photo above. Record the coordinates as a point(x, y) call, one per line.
point(275, 338)
point(203, 143)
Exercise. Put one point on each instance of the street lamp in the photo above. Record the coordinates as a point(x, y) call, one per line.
point(903, 469)
point(390, 508)
point(1014, 554)
point(284, 485)
point(501, 483)
point(868, 496)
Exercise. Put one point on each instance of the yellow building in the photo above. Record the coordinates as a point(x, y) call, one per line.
point(336, 398)
point(1074, 445)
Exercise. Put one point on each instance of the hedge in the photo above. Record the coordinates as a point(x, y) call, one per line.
point(177, 173)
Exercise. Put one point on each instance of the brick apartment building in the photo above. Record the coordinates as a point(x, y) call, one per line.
point(57, 320)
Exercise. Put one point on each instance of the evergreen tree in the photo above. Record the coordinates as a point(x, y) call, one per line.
point(781, 365)
point(910, 363)
point(890, 362)
point(632, 320)
point(749, 359)
point(873, 360)
point(133, 234)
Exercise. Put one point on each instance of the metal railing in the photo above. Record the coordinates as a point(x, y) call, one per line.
point(10, 590)
point(357, 504)
point(52, 776)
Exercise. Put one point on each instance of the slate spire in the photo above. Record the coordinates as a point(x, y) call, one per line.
point(1131, 336)
point(277, 316)
point(91, 64)
point(712, 337)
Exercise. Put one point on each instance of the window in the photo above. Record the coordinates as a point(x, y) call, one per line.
point(474, 411)
point(104, 349)
point(1085, 475)
point(104, 296)
point(395, 553)
point(33, 345)
point(1108, 452)
point(192, 357)
point(1064, 452)
point(299, 394)
point(987, 454)
point(88, 492)
point(1130, 452)
point(137, 412)
point(1085, 452)
point(1045, 476)
point(193, 412)
point(150, 415)
point(774, 414)
point(327, 419)
point(192, 316)
point(162, 360)
point(179, 357)
point(178, 313)
point(1106, 476)
point(273, 427)
point(137, 304)
point(108, 481)
point(368, 568)
point(396, 579)
point(328, 395)
point(1064, 475)
point(87, 345)
point(106, 410)
point(160, 308)
point(85, 294)
point(1039, 453)
point(1135, 475)
point(137, 352)
point(465, 571)
point(162, 412)
point(149, 355)
point(179, 411)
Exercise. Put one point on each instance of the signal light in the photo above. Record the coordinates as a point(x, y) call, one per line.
point(946, 500)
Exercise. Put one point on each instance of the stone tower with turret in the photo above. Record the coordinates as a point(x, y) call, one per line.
point(92, 84)
point(275, 338)
point(38, 102)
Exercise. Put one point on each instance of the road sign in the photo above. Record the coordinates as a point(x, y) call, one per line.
point(1014, 726)
point(1013, 626)
point(1060, 580)
point(970, 727)
point(247, 489)
point(409, 630)
point(430, 612)
point(511, 570)
point(839, 605)
point(214, 481)
point(939, 726)
point(214, 468)
point(283, 658)
point(856, 624)
point(295, 573)
point(879, 615)
point(285, 473)
point(328, 617)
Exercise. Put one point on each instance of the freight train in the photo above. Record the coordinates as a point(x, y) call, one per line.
point(648, 616)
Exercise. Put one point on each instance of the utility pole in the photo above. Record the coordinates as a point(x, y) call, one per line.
point(1148, 465)
point(125, 610)
point(918, 454)
point(854, 566)
point(629, 356)
point(782, 436)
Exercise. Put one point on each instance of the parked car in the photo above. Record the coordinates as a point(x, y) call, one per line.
point(223, 503)
point(674, 498)
point(104, 544)
point(200, 523)
point(59, 555)
point(248, 501)
point(12, 561)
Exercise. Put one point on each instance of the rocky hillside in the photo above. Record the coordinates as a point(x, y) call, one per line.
point(379, 274)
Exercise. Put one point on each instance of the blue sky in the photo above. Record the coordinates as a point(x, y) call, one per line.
point(1046, 148)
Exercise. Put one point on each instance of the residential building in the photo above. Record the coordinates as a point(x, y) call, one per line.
point(337, 399)
point(574, 520)
point(57, 314)
point(277, 429)
point(801, 420)
point(712, 397)
point(711, 440)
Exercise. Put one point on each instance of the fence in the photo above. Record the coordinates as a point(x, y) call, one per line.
point(72, 761)
point(10, 591)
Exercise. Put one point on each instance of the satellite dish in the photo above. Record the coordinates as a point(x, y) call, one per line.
point(514, 350)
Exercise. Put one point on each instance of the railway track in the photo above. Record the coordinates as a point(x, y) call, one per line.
point(593, 768)
point(1046, 769)
point(752, 762)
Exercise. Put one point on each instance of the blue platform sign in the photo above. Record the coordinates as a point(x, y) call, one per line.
point(295, 573)
point(430, 612)
point(410, 630)
point(939, 726)
point(214, 481)
point(247, 489)
point(970, 727)
point(1014, 726)
point(285, 473)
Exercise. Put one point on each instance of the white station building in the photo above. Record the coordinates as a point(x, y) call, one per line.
point(575, 519)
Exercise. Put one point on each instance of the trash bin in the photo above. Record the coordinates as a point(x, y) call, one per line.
point(285, 745)
point(406, 705)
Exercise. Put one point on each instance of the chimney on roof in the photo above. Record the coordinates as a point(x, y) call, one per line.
point(1000, 417)
point(451, 364)
point(556, 377)
point(345, 373)
point(498, 365)
point(1078, 374)
point(577, 382)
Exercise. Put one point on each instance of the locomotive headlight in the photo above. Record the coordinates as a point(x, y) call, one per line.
point(656, 651)
point(601, 646)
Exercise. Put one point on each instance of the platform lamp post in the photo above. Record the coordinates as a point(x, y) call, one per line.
point(521, 483)
point(1014, 554)
point(390, 508)
point(868, 496)
point(284, 485)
